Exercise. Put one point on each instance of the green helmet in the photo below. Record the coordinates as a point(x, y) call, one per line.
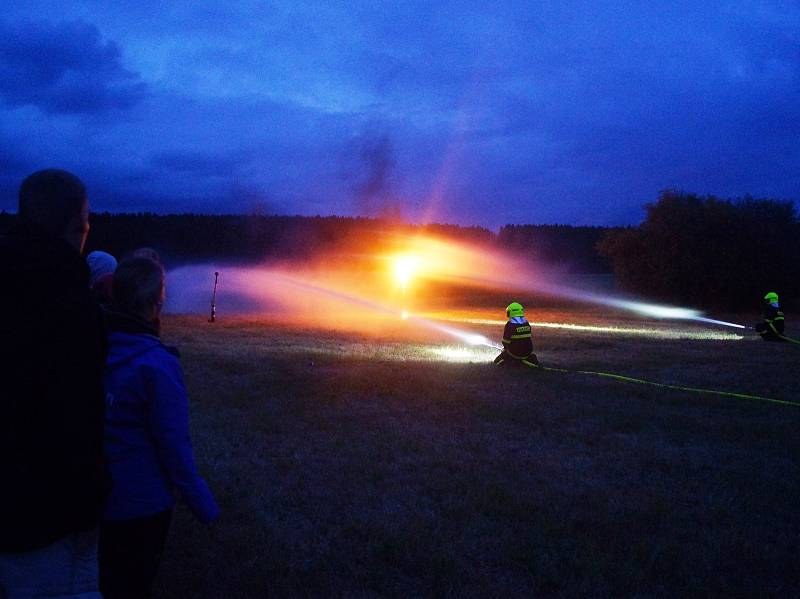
point(771, 298)
point(514, 309)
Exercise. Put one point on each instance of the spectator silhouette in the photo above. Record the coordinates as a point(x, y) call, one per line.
point(146, 252)
point(101, 275)
point(147, 436)
point(52, 350)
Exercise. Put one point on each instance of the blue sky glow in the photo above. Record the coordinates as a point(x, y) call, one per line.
point(466, 112)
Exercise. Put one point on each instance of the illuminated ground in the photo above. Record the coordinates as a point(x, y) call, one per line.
point(396, 461)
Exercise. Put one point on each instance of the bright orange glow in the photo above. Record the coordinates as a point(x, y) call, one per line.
point(405, 267)
point(367, 286)
point(392, 278)
point(434, 259)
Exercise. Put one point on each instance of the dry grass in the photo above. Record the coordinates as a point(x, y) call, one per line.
point(348, 465)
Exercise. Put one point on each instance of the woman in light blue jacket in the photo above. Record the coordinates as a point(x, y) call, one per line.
point(147, 439)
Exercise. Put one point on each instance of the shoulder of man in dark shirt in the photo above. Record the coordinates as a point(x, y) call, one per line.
point(52, 353)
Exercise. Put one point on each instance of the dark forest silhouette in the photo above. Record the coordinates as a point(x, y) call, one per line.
point(710, 252)
point(690, 250)
point(190, 237)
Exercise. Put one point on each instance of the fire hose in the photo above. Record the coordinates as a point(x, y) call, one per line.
point(780, 336)
point(629, 379)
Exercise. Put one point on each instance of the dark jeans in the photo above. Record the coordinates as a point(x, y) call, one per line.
point(129, 552)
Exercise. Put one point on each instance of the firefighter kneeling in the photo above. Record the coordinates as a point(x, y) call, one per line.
point(517, 345)
point(771, 328)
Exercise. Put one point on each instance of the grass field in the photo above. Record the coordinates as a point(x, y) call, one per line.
point(358, 465)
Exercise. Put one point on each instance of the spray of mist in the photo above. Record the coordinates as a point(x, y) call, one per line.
point(638, 307)
point(352, 291)
point(277, 290)
point(481, 267)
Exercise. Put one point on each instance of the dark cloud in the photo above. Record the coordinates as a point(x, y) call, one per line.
point(553, 111)
point(64, 68)
point(369, 165)
point(377, 158)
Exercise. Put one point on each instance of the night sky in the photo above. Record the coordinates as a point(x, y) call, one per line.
point(462, 112)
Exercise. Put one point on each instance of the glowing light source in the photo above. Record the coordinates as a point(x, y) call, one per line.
point(405, 267)
point(400, 264)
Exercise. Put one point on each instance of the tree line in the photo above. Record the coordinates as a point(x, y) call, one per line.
point(709, 252)
point(190, 237)
point(692, 250)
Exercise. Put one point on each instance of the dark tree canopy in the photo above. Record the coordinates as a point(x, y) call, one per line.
point(709, 252)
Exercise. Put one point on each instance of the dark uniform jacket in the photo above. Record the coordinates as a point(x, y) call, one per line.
point(773, 323)
point(52, 351)
point(517, 338)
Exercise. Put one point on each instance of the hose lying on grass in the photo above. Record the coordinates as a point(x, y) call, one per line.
point(789, 339)
point(629, 379)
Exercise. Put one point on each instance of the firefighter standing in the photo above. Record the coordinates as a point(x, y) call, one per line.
point(771, 328)
point(517, 345)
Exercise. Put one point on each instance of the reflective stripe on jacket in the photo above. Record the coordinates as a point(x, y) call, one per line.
point(517, 338)
point(773, 317)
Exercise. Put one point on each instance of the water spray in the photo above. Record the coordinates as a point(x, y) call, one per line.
point(459, 263)
point(706, 335)
point(213, 317)
point(642, 308)
point(655, 310)
point(464, 336)
point(468, 338)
